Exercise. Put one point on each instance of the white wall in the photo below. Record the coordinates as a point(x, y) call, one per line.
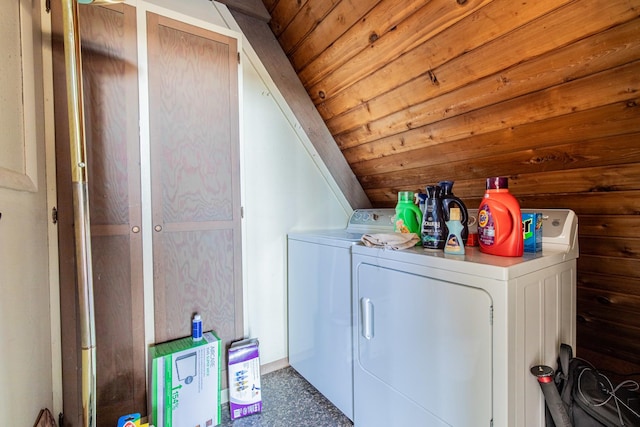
point(26, 371)
point(286, 187)
point(25, 332)
point(284, 190)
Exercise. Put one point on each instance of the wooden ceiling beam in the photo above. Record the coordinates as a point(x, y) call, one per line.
point(253, 8)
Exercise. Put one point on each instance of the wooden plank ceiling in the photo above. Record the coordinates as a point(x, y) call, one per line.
point(418, 91)
point(544, 92)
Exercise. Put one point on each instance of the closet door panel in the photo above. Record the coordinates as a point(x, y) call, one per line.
point(192, 133)
point(195, 179)
point(110, 83)
point(194, 265)
point(111, 114)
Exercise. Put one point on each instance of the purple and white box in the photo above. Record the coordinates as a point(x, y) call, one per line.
point(245, 396)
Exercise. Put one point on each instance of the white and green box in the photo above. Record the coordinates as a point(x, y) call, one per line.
point(185, 382)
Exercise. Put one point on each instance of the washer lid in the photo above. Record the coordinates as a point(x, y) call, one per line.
point(337, 237)
point(361, 221)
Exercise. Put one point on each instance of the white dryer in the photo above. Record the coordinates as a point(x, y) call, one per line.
point(319, 303)
point(448, 340)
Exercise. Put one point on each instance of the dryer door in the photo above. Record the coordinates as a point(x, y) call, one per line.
point(423, 350)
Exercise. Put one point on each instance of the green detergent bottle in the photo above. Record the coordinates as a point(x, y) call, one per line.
point(408, 215)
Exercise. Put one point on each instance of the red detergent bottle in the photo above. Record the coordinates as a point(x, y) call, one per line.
point(500, 220)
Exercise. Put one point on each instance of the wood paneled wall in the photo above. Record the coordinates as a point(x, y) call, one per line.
point(543, 92)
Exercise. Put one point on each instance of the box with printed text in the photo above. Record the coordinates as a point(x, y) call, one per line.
point(185, 382)
point(532, 231)
point(245, 396)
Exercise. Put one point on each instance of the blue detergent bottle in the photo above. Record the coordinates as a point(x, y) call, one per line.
point(434, 229)
point(449, 201)
point(454, 243)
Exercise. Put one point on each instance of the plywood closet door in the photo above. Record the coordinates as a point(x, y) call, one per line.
point(193, 101)
point(111, 114)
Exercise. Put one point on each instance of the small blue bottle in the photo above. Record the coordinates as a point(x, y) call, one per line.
point(196, 328)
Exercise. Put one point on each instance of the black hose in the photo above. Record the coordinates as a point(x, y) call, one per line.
point(544, 374)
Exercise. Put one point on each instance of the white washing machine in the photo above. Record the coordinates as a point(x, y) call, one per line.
point(448, 340)
point(319, 303)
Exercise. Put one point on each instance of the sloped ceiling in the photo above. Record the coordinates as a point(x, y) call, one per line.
point(417, 91)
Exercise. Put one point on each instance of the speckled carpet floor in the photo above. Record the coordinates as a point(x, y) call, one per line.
point(288, 400)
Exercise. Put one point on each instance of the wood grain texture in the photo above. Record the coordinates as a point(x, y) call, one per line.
point(111, 113)
point(195, 160)
point(334, 25)
point(282, 12)
point(364, 34)
point(194, 133)
point(305, 20)
point(389, 61)
point(418, 102)
point(617, 84)
point(544, 93)
point(610, 225)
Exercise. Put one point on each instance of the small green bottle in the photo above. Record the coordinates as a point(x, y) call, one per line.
point(454, 244)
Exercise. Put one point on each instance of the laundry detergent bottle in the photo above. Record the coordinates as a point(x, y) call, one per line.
point(500, 220)
point(434, 228)
point(450, 201)
point(454, 243)
point(408, 216)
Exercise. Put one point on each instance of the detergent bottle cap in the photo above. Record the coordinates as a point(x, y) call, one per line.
point(497, 183)
point(405, 196)
point(454, 214)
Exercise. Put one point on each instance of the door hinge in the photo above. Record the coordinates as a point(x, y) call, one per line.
point(47, 6)
point(54, 215)
point(238, 57)
point(241, 211)
point(491, 315)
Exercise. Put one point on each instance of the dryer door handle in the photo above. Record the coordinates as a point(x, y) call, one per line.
point(366, 311)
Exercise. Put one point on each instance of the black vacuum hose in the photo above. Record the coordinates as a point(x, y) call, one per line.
point(544, 374)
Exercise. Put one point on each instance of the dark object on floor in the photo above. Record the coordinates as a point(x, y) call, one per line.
point(45, 419)
point(288, 401)
point(590, 398)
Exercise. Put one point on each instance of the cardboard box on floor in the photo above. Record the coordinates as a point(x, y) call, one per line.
point(245, 394)
point(185, 382)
